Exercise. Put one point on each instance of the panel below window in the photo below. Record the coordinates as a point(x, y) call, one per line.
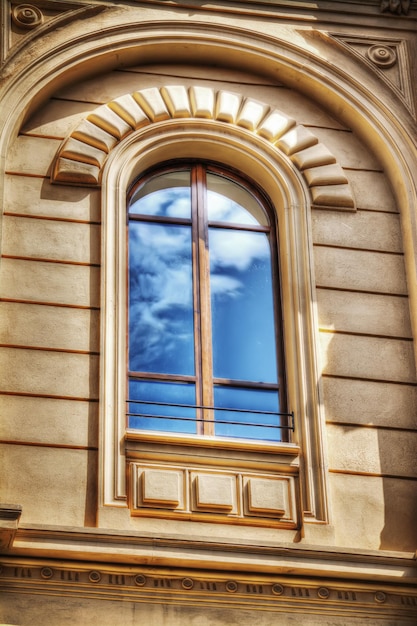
point(173, 480)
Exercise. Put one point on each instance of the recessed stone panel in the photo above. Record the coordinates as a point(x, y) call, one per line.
point(215, 491)
point(161, 487)
point(267, 495)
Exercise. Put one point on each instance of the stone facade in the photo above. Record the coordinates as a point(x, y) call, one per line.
point(315, 103)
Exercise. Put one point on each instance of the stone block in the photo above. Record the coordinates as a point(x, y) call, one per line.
point(215, 491)
point(95, 136)
point(373, 513)
point(56, 118)
point(162, 487)
point(359, 270)
point(348, 149)
point(26, 195)
point(202, 101)
point(48, 420)
point(296, 139)
point(32, 155)
point(362, 229)
point(49, 373)
point(81, 152)
point(127, 108)
point(363, 313)
point(49, 327)
point(267, 495)
point(227, 106)
point(372, 450)
point(368, 357)
point(315, 156)
point(331, 174)
point(53, 485)
point(51, 239)
point(251, 114)
point(372, 190)
point(151, 101)
point(51, 283)
point(177, 101)
point(367, 402)
point(275, 125)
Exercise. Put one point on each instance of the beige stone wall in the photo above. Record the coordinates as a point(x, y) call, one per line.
point(50, 321)
point(74, 560)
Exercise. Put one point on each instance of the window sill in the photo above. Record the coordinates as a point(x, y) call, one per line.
point(197, 441)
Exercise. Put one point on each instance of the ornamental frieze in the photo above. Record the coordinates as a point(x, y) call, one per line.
point(142, 585)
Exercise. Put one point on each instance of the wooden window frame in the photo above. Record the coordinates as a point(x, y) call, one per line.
point(203, 349)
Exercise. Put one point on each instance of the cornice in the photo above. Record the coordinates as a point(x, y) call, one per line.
point(121, 547)
point(382, 13)
point(43, 16)
point(181, 586)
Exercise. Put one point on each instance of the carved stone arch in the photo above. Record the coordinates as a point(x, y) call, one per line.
point(82, 156)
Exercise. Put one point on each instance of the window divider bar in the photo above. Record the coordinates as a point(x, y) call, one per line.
point(205, 302)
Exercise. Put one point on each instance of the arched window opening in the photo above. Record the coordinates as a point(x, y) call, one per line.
point(204, 318)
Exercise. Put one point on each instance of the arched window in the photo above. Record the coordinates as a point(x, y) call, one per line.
point(204, 315)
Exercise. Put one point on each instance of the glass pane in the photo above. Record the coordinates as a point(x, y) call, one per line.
point(229, 202)
point(243, 325)
point(168, 195)
point(143, 414)
point(161, 325)
point(248, 399)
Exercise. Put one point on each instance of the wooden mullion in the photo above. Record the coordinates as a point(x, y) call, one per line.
point(279, 337)
point(245, 384)
point(159, 219)
point(205, 304)
point(196, 299)
point(249, 227)
point(175, 378)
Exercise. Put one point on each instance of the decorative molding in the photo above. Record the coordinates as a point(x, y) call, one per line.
point(201, 493)
point(191, 587)
point(383, 56)
point(82, 156)
point(27, 16)
point(24, 22)
point(274, 171)
point(389, 59)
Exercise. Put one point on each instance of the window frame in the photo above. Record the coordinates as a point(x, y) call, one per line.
point(276, 174)
point(199, 221)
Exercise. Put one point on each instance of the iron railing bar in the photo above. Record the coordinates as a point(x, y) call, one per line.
point(210, 408)
point(192, 419)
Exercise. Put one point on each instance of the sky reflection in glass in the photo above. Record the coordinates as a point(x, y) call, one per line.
point(167, 196)
point(242, 308)
point(229, 202)
point(162, 392)
point(163, 307)
point(161, 326)
point(247, 399)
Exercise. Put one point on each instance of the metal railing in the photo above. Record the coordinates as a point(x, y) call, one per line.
point(289, 426)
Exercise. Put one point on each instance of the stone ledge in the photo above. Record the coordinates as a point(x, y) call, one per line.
point(9, 522)
point(239, 556)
